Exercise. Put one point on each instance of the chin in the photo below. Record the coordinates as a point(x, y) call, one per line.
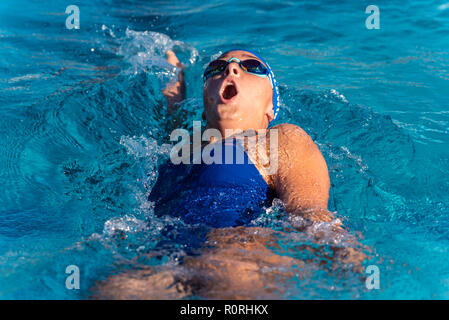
point(227, 111)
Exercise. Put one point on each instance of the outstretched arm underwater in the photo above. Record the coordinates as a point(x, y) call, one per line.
point(174, 93)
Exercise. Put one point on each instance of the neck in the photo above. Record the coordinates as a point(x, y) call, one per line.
point(228, 129)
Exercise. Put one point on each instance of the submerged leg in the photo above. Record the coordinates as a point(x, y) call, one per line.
point(141, 285)
point(236, 265)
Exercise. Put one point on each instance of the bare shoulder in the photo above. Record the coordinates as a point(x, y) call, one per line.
point(289, 128)
point(293, 138)
point(302, 179)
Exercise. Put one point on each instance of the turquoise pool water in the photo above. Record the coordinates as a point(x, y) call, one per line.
point(83, 131)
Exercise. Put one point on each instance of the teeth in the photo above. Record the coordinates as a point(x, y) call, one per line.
point(227, 85)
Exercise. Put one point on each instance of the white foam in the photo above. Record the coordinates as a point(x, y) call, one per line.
point(144, 49)
point(24, 78)
point(443, 6)
point(339, 95)
point(127, 224)
point(142, 147)
point(147, 152)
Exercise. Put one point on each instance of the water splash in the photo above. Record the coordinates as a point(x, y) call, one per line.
point(145, 50)
point(148, 154)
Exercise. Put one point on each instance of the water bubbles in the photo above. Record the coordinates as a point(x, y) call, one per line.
point(142, 147)
point(125, 224)
point(146, 50)
point(338, 95)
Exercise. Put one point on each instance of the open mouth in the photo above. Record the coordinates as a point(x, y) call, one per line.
point(228, 91)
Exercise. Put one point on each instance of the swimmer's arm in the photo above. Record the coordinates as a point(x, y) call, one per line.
point(174, 93)
point(302, 183)
point(302, 179)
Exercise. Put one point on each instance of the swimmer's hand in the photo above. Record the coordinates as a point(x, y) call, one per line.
point(174, 93)
point(352, 253)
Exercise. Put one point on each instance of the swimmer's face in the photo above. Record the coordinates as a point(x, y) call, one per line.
point(235, 99)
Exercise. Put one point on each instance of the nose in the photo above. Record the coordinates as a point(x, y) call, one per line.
point(233, 68)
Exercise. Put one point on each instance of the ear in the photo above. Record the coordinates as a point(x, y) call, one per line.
point(269, 112)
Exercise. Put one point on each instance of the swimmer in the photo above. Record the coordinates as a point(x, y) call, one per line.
point(239, 93)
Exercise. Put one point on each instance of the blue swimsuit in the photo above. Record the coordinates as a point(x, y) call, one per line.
point(218, 195)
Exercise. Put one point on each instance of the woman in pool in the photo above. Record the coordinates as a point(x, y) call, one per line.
point(239, 93)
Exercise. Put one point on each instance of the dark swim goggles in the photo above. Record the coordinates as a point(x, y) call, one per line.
point(252, 66)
